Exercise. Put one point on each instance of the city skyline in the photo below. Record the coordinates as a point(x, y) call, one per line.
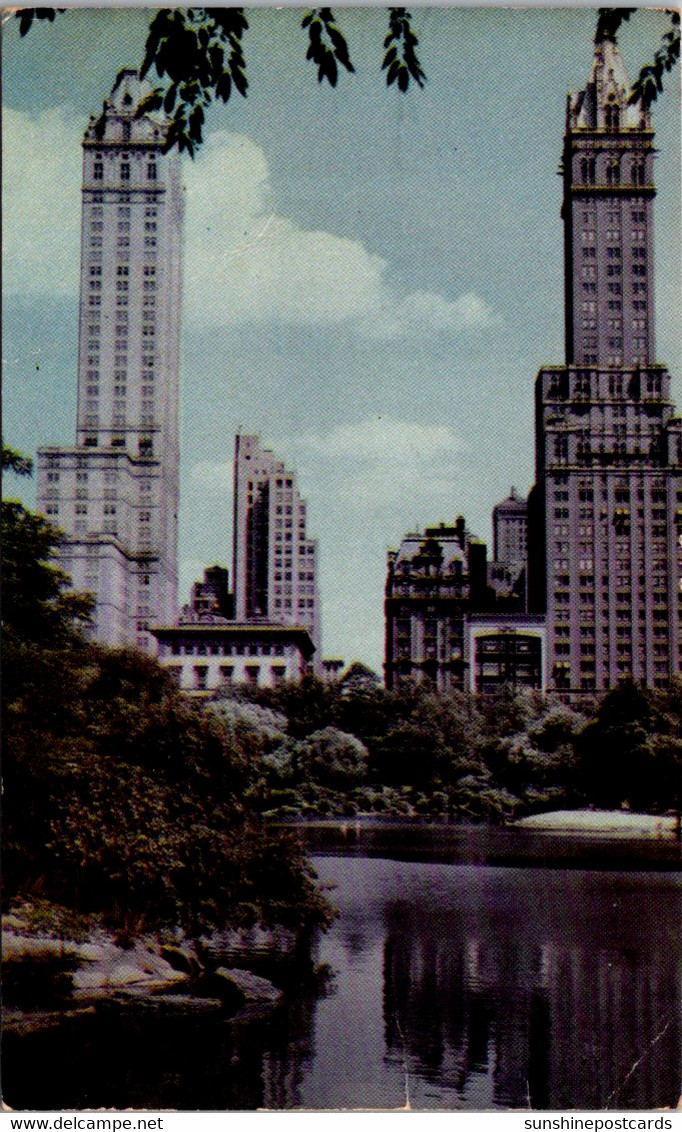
point(384, 422)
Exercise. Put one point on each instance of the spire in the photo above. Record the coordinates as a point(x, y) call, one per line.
point(603, 104)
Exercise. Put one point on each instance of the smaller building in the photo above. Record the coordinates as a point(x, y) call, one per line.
point(506, 649)
point(332, 667)
point(212, 595)
point(434, 578)
point(207, 649)
point(510, 532)
point(208, 652)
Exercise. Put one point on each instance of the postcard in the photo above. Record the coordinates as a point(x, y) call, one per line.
point(343, 559)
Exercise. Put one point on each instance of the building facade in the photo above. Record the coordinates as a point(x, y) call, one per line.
point(433, 579)
point(275, 562)
point(207, 653)
point(505, 649)
point(605, 514)
point(115, 492)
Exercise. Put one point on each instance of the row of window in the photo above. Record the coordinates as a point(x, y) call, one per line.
point(250, 674)
point(613, 171)
point(225, 648)
point(151, 170)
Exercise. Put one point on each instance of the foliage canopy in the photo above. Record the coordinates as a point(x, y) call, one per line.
point(198, 56)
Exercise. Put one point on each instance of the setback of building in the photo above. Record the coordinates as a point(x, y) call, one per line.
point(269, 627)
point(115, 492)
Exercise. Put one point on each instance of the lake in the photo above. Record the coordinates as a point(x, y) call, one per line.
point(461, 980)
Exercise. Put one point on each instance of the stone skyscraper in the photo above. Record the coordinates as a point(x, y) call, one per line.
point(115, 492)
point(275, 563)
point(606, 510)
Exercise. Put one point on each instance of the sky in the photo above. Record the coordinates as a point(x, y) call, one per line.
point(371, 279)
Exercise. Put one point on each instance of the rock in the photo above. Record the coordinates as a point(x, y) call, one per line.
point(17, 947)
point(30, 1021)
point(139, 1002)
point(114, 968)
point(179, 959)
point(253, 988)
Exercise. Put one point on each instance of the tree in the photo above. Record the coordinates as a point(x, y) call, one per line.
point(617, 753)
point(42, 617)
point(197, 54)
point(649, 82)
point(333, 758)
point(122, 797)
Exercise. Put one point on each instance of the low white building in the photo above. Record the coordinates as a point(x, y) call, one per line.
point(209, 652)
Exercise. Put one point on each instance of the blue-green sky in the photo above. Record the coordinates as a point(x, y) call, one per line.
point(372, 280)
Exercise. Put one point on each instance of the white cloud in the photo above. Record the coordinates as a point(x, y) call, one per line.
point(245, 263)
point(41, 202)
point(380, 467)
point(212, 478)
point(371, 464)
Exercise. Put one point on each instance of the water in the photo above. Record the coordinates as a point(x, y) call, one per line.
point(456, 986)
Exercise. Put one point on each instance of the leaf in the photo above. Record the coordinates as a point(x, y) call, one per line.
point(240, 81)
point(224, 86)
point(169, 100)
point(152, 101)
point(390, 56)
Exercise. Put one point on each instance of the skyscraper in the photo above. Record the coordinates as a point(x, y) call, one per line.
point(275, 563)
point(605, 514)
point(115, 492)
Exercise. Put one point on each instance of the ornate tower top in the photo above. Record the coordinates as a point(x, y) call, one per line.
point(603, 104)
point(118, 124)
point(608, 166)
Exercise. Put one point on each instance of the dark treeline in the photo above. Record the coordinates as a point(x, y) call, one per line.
point(353, 746)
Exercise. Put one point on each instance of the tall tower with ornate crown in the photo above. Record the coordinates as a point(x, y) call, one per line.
point(115, 493)
point(605, 515)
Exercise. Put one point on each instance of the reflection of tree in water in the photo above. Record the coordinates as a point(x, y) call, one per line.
point(552, 1022)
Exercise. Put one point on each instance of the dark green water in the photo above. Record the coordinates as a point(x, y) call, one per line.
point(458, 985)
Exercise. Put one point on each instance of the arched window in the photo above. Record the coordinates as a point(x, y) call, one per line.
point(638, 173)
point(612, 117)
point(587, 170)
point(613, 173)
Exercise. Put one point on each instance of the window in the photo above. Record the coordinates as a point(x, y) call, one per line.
point(98, 171)
point(587, 170)
point(125, 171)
point(612, 117)
point(151, 171)
point(613, 173)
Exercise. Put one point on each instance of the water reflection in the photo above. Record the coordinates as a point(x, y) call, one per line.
point(519, 988)
point(456, 986)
